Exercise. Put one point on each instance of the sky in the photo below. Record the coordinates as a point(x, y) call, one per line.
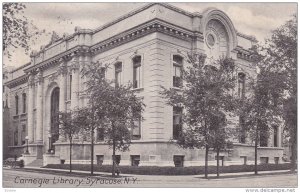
point(257, 19)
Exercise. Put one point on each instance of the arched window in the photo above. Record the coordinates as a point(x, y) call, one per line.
point(118, 71)
point(17, 104)
point(137, 71)
point(241, 85)
point(24, 102)
point(177, 68)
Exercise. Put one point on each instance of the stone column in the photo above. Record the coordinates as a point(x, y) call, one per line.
point(30, 108)
point(279, 136)
point(75, 81)
point(39, 108)
point(62, 73)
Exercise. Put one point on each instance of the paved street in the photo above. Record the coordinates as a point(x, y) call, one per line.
point(16, 178)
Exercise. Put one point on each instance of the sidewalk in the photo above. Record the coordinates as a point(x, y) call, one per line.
point(158, 177)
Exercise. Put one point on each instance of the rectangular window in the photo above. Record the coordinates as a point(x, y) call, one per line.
point(118, 72)
point(241, 85)
point(136, 130)
point(100, 159)
point(242, 130)
point(135, 160)
point(137, 72)
point(263, 137)
point(178, 160)
point(16, 137)
point(244, 159)
point(177, 122)
point(117, 159)
point(177, 68)
point(100, 134)
point(264, 160)
point(23, 134)
point(221, 160)
point(276, 160)
point(275, 136)
point(24, 102)
point(17, 104)
point(70, 87)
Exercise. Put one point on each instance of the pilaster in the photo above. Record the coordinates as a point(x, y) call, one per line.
point(30, 108)
point(39, 107)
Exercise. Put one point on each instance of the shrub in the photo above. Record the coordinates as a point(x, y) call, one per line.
point(155, 170)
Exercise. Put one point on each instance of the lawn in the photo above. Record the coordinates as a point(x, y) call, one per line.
point(155, 170)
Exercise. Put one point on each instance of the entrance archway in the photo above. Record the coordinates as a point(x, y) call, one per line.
point(54, 116)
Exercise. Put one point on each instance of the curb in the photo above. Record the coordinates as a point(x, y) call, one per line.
point(106, 174)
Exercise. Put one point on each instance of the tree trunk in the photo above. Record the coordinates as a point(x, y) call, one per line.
point(114, 158)
point(92, 151)
point(206, 161)
point(256, 144)
point(294, 153)
point(114, 150)
point(218, 152)
point(70, 155)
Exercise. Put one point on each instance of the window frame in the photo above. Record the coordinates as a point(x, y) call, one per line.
point(177, 66)
point(24, 98)
point(70, 86)
point(137, 66)
point(17, 104)
point(118, 73)
point(177, 128)
point(241, 85)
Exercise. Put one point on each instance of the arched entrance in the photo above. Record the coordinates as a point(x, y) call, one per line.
point(54, 117)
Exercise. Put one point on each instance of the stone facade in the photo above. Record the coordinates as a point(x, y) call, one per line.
point(156, 33)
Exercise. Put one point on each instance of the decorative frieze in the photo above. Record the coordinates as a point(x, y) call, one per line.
point(18, 81)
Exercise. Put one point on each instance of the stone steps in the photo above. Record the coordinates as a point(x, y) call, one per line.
point(36, 163)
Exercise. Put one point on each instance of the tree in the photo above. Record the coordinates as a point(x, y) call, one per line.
point(206, 98)
point(113, 108)
point(221, 135)
point(281, 57)
point(69, 126)
point(18, 31)
point(260, 109)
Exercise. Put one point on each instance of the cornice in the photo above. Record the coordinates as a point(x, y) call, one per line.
point(152, 26)
point(243, 53)
point(117, 40)
point(16, 82)
point(138, 10)
point(67, 55)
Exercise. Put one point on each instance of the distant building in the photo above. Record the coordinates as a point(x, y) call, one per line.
point(147, 47)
